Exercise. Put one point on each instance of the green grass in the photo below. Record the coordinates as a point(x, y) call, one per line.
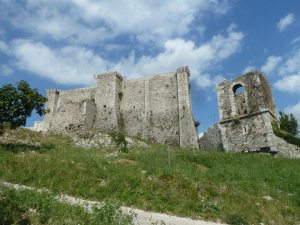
point(199, 184)
point(31, 207)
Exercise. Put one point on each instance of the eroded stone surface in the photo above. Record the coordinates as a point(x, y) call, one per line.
point(246, 117)
point(94, 138)
point(211, 139)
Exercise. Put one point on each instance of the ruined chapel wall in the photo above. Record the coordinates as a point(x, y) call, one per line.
point(257, 93)
point(248, 133)
point(250, 129)
point(225, 110)
point(268, 97)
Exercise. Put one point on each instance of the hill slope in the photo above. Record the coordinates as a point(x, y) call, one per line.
point(233, 188)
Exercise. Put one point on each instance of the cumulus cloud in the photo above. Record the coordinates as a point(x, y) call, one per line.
point(296, 40)
point(271, 63)
point(88, 22)
point(180, 52)
point(291, 65)
point(75, 65)
point(5, 70)
point(294, 109)
point(285, 22)
point(289, 84)
point(248, 69)
point(67, 65)
point(290, 72)
point(3, 47)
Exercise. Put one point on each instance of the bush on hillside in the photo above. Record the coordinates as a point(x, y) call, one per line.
point(285, 135)
point(288, 123)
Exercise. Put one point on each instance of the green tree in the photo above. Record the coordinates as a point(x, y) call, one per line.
point(18, 102)
point(288, 123)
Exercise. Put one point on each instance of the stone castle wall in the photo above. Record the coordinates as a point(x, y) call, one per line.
point(156, 108)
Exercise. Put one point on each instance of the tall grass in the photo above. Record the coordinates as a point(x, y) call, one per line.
point(30, 207)
point(245, 188)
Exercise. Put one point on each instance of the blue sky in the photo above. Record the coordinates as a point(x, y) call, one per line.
point(62, 44)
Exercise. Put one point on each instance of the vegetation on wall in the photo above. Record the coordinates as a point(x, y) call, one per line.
point(286, 128)
point(288, 123)
point(197, 123)
point(236, 120)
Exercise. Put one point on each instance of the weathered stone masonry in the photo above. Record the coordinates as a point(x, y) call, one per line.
point(156, 108)
point(247, 110)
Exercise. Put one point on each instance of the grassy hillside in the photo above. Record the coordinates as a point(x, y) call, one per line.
point(233, 188)
point(27, 207)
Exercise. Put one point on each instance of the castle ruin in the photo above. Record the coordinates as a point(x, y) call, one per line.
point(246, 109)
point(247, 114)
point(155, 108)
point(158, 108)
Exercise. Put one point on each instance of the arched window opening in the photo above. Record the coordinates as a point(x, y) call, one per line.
point(238, 89)
point(240, 100)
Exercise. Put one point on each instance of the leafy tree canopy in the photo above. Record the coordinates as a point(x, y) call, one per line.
point(288, 123)
point(17, 103)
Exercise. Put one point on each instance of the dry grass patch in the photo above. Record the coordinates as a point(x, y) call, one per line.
point(125, 162)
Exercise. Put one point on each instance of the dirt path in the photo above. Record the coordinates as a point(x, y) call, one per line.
point(142, 217)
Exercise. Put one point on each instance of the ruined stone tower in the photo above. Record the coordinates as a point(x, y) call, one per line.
point(247, 109)
point(156, 108)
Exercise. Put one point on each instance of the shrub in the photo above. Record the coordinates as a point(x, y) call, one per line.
point(120, 141)
point(285, 135)
point(236, 220)
point(288, 123)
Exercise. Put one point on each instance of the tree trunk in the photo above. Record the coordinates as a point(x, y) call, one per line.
point(1, 128)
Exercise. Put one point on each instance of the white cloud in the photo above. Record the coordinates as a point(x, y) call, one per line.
point(88, 22)
point(3, 47)
point(296, 40)
point(289, 84)
point(295, 110)
point(75, 65)
point(291, 65)
point(178, 52)
point(67, 65)
point(5, 70)
point(248, 69)
point(290, 72)
point(271, 63)
point(285, 22)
